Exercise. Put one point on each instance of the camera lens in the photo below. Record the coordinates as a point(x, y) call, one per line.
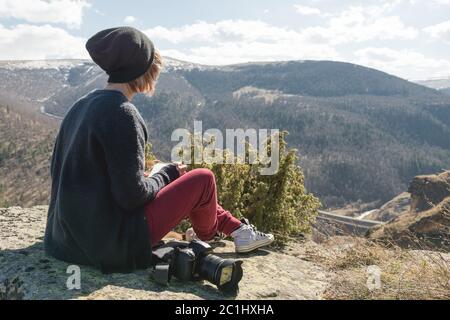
point(224, 273)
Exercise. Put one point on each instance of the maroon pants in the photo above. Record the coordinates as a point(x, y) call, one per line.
point(192, 196)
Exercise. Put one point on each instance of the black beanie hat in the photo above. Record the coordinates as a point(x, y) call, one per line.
point(125, 53)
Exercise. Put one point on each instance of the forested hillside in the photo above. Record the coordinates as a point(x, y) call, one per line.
point(361, 134)
point(25, 146)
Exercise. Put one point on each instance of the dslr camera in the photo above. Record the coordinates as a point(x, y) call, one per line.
point(194, 261)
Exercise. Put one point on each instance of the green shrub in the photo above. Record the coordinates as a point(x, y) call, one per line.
point(278, 204)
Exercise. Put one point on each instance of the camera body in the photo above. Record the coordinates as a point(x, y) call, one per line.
point(196, 262)
point(187, 259)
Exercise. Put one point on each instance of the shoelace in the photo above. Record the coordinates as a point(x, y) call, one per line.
point(259, 233)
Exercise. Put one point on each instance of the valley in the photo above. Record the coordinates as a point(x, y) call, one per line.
point(362, 134)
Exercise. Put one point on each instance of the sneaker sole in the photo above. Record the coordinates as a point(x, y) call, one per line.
point(254, 246)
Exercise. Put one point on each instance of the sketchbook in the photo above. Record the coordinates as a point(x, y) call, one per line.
point(157, 167)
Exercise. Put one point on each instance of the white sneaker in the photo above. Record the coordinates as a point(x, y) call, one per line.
point(247, 238)
point(190, 235)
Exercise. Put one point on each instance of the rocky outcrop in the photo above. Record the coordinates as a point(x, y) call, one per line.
point(427, 224)
point(422, 230)
point(392, 209)
point(429, 191)
point(26, 273)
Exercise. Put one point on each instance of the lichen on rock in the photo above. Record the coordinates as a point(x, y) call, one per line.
point(27, 273)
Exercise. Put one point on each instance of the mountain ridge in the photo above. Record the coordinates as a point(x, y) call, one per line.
point(362, 134)
point(172, 63)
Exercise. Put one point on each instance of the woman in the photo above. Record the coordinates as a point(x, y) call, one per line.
point(104, 210)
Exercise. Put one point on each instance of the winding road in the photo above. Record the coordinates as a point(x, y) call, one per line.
point(42, 109)
point(330, 223)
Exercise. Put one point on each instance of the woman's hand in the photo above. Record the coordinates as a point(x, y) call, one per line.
point(147, 173)
point(182, 168)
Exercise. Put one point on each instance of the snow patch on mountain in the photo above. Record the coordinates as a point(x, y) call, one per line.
point(42, 64)
point(171, 64)
point(437, 84)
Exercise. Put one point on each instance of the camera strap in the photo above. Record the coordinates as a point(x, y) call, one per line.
point(162, 258)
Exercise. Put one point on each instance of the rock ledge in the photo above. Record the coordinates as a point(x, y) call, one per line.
point(26, 273)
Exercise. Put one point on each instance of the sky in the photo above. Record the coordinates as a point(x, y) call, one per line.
point(407, 38)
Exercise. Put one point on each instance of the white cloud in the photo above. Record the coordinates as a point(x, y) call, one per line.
point(359, 24)
point(307, 11)
point(30, 42)
point(369, 28)
point(68, 12)
point(406, 63)
point(199, 31)
point(129, 20)
point(226, 31)
point(441, 1)
point(230, 53)
point(233, 41)
point(439, 31)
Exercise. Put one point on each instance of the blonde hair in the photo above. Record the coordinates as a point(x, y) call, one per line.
point(147, 82)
